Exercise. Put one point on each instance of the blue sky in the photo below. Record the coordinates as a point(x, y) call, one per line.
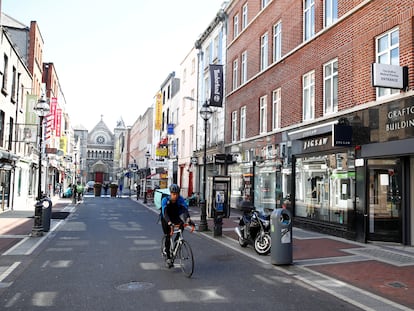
point(112, 56)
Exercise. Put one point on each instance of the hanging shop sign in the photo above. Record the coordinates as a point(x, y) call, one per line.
point(342, 135)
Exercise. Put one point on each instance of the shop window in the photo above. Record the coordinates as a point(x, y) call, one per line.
point(325, 187)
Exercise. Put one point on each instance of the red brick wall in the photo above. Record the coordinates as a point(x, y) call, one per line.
point(351, 41)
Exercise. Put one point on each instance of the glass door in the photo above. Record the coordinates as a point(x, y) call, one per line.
point(384, 194)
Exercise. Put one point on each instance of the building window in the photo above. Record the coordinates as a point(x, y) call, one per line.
point(331, 12)
point(14, 86)
point(235, 73)
point(330, 87)
point(234, 126)
point(5, 71)
point(243, 123)
point(309, 19)
point(388, 52)
point(235, 26)
point(207, 56)
point(264, 3)
point(216, 50)
point(244, 67)
point(207, 86)
point(11, 125)
point(244, 16)
point(2, 116)
point(308, 81)
point(276, 109)
point(277, 41)
point(191, 137)
point(182, 142)
point(264, 59)
point(263, 115)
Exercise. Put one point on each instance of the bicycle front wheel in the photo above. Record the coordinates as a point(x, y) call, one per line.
point(163, 251)
point(185, 258)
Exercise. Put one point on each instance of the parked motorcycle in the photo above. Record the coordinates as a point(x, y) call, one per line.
point(254, 229)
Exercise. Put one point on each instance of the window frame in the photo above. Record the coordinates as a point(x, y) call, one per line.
point(235, 26)
point(308, 19)
point(264, 51)
point(263, 114)
point(243, 123)
point(276, 108)
point(382, 92)
point(330, 12)
point(277, 41)
point(245, 16)
point(235, 74)
point(333, 78)
point(308, 96)
point(234, 126)
point(243, 72)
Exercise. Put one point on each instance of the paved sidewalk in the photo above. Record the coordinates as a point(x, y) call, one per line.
point(385, 270)
point(373, 276)
point(16, 226)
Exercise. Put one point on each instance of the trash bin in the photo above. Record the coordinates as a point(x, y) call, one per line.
point(281, 234)
point(46, 213)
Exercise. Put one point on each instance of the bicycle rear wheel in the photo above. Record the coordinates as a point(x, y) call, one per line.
point(185, 258)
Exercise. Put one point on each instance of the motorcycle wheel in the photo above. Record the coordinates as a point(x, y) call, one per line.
point(262, 244)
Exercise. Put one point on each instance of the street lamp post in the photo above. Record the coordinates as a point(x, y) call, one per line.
point(205, 113)
point(147, 156)
point(42, 109)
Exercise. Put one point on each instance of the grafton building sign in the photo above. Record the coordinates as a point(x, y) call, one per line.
point(399, 119)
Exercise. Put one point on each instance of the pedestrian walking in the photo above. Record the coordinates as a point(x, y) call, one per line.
point(138, 191)
point(120, 190)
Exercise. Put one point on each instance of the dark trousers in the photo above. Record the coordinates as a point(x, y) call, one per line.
point(167, 233)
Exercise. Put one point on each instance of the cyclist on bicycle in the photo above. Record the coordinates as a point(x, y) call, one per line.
point(174, 211)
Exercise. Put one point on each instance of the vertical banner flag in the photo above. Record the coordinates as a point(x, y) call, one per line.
point(52, 116)
point(216, 79)
point(58, 121)
point(31, 101)
point(158, 112)
point(50, 120)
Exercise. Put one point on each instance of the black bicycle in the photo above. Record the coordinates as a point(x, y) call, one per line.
point(180, 249)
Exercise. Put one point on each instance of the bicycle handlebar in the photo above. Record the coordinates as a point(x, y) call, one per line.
point(175, 227)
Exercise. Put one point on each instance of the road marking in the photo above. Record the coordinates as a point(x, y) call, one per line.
point(9, 270)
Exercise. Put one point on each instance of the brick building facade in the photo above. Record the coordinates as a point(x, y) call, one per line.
point(298, 69)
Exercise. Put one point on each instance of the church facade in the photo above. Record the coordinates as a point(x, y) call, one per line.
point(96, 154)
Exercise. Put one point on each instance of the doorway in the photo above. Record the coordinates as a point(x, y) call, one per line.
point(384, 195)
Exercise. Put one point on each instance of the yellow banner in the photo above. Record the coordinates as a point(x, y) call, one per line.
point(158, 112)
point(161, 152)
point(63, 144)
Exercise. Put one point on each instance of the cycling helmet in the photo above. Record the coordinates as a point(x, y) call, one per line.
point(174, 188)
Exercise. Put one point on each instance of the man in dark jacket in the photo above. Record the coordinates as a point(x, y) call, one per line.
point(174, 211)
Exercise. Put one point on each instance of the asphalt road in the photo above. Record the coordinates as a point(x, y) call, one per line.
point(106, 256)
